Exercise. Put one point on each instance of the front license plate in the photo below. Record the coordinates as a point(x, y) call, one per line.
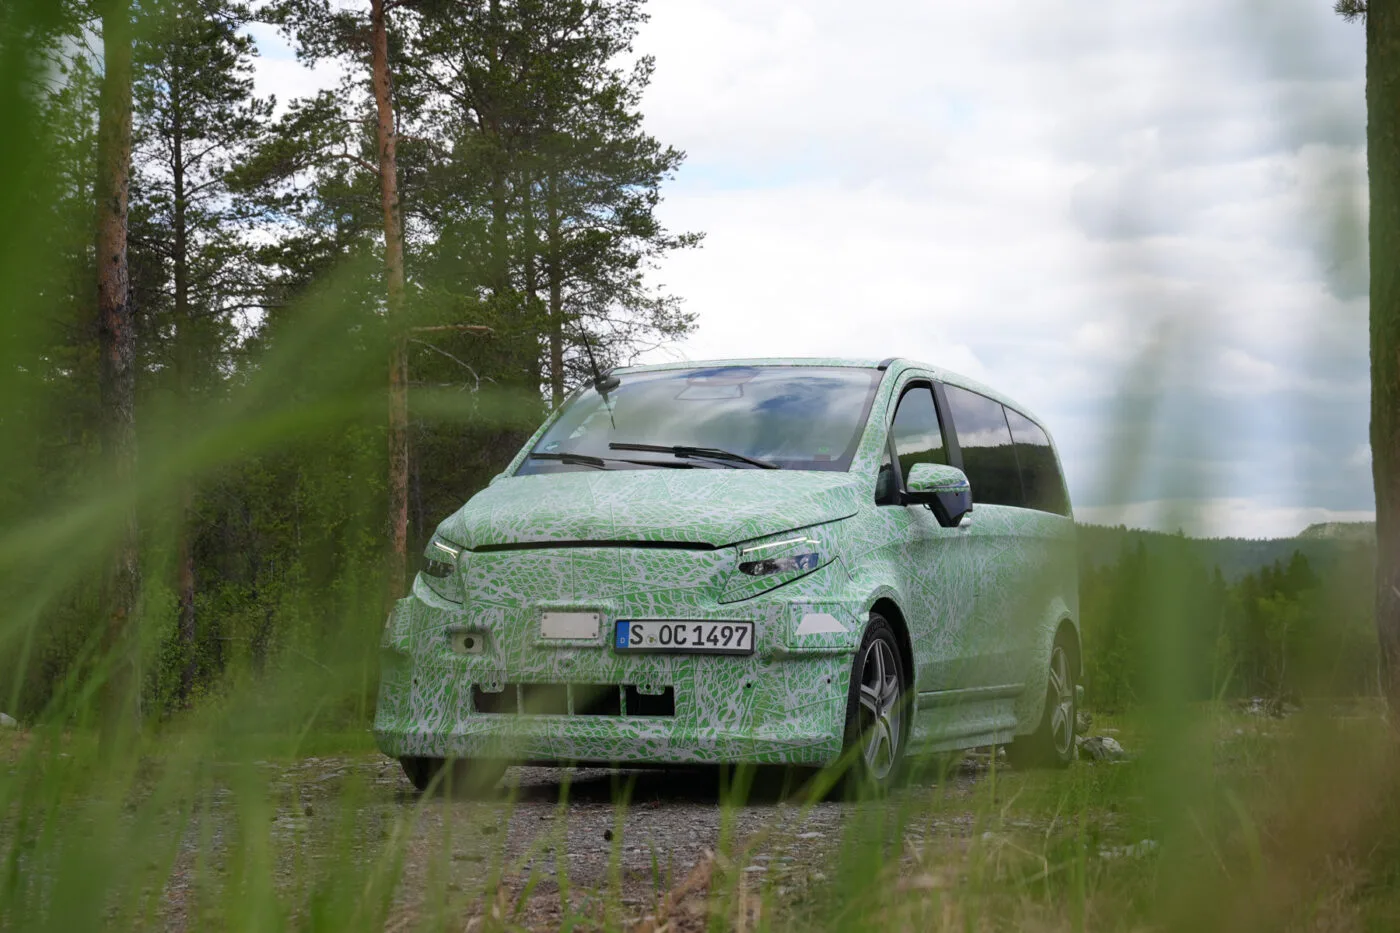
point(683, 636)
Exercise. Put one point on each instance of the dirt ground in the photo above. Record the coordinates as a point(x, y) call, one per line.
point(498, 858)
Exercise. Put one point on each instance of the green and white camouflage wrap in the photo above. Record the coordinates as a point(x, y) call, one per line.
point(977, 606)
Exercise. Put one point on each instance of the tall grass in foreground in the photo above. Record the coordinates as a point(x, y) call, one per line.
point(212, 820)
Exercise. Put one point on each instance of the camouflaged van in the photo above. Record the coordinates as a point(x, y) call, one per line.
point(800, 561)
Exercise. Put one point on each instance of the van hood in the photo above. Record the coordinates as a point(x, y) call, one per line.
point(713, 507)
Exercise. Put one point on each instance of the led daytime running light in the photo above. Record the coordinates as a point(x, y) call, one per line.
point(440, 568)
point(797, 563)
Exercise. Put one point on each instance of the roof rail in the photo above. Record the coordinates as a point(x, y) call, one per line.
point(885, 363)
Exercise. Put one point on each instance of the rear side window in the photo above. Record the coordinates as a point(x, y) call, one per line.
point(988, 453)
point(1040, 473)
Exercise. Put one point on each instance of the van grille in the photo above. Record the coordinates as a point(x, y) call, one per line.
point(574, 700)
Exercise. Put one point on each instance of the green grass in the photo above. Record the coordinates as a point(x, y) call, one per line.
point(1283, 825)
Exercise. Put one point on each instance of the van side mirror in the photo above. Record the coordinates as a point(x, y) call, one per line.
point(945, 489)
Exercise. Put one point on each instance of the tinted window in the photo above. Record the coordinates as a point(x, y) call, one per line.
point(989, 457)
point(918, 438)
point(1040, 473)
point(800, 417)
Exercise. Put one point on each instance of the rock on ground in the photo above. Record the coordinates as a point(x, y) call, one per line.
point(1101, 748)
point(1272, 707)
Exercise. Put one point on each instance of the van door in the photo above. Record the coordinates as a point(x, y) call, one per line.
point(1002, 557)
point(937, 579)
point(1048, 542)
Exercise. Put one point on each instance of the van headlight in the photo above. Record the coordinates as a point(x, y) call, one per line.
point(797, 563)
point(438, 569)
point(770, 562)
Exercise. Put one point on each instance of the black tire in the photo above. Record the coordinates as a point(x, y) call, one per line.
point(459, 778)
point(877, 723)
point(1052, 744)
point(421, 771)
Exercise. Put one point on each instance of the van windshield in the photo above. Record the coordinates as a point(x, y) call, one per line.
point(794, 417)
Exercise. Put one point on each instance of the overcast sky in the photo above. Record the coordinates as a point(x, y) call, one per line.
point(1144, 220)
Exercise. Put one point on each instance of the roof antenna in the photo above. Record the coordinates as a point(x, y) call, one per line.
point(603, 382)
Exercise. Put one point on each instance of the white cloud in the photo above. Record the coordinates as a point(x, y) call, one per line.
point(276, 71)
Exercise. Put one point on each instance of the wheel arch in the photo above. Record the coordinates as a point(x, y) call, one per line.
point(1069, 630)
point(890, 611)
point(1059, 623)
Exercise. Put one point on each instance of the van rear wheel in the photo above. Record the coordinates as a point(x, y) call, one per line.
point(1052, 744)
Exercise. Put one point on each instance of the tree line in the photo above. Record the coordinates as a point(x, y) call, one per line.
point(473, 210)
point(1288, 630)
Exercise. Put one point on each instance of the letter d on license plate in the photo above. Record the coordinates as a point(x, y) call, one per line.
point(682, 636)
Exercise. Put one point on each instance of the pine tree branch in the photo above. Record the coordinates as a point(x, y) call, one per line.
point(1351, 10)
point(442, 352)
point(438, 328)
point(347, 157)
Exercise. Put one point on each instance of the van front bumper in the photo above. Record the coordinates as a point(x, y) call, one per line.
point(784, 704)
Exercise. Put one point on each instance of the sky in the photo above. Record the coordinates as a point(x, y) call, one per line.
point(1144, 221)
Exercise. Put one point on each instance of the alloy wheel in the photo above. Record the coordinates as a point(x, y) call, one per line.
point(1061, 694)
point(880, 709)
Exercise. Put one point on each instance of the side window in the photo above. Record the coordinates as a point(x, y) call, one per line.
point(1040, 473)
point(989, 457)
point(918, 437)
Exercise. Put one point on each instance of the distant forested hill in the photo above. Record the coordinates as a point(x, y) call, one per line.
point(1290, 617)
point(1323, 545)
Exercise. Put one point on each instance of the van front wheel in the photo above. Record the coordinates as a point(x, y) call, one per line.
point(876, 710)
point(458, 777)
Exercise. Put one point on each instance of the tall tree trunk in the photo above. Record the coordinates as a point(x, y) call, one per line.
point(1383, 155)
point(554, 248)
point(500, 233)
point(529, 258)
point(500, 230)
point(394, 275)
point(184, 366)
point(121, 709)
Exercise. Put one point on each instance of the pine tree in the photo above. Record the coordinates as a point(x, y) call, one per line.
point(527, 100)
point(326, 31)
point(525, 195)
point(121, 706)
point(65, 370)
point(386, 138)
point(602, 179)
point(1383, 158)
point(195, 115)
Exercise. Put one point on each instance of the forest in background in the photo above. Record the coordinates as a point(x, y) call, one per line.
point(1280, 619)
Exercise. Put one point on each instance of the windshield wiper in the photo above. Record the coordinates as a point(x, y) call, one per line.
point(601, 463)
point(712, 453)
point(577, 459)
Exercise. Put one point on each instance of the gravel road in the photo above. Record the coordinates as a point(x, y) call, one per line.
point(470, 856)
